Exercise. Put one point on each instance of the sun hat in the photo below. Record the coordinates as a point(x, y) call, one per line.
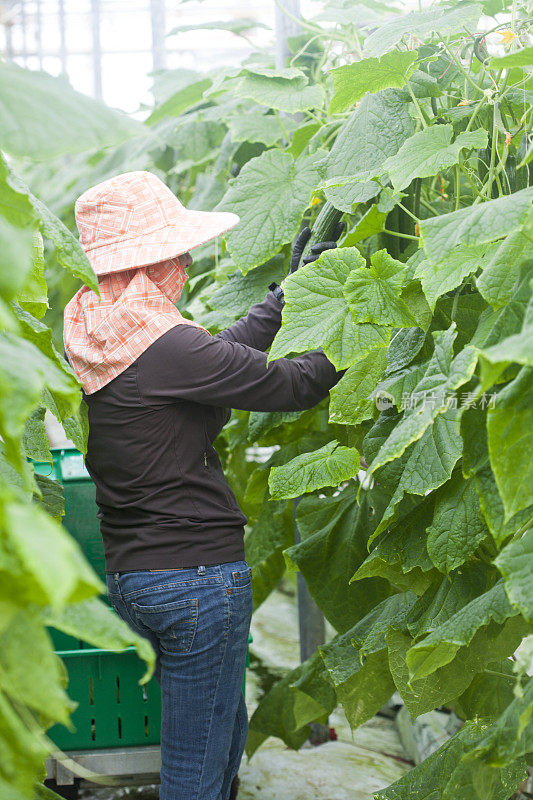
point(133, 230)
point(133, 219)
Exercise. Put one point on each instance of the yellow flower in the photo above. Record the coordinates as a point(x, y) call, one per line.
point(315, 201)
point(508, 36)
point(508, 138)
point(463, 103)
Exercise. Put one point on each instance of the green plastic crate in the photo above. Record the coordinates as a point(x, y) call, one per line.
point(113, 709)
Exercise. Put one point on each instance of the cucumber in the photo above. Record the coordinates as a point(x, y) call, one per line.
point(323, 226)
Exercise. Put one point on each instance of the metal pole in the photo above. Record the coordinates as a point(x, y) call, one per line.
point(286, 26)
point(23, 30)
point(62, 35)
point(97, 49)
point(38, 33)
point(312, 631)
point(159, 52)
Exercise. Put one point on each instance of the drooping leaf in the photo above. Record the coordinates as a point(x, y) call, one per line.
point(42, 116)
point(510, 436)
point(440, 646)
point(437, 279)
point(264, 545)
point(316, 313)
point(422, 24)
point(259, 127)
point(185, 98)
point(499, 276)
point(373, 293)
point(240, 291)
point(351, 398)
point(515, 562)
point(328, 466)
point(457, 527)
point(94, 622)
point(352, 81)
point(333, 533)
point(270, 195)
point(475, 225)
point(284, 90)
point(366, 139)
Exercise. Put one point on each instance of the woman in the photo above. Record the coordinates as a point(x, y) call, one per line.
point(159, 389)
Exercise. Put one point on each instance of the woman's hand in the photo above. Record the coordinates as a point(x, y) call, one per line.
point(316, 249)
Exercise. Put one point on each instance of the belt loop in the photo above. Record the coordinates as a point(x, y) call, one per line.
point(201, 570)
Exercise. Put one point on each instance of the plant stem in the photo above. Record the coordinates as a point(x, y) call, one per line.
point(401, 235)
point(282, 126)
point(459, 65)
point(417, 106)
point(400, 205)
point(475, 113)
point(457, 186)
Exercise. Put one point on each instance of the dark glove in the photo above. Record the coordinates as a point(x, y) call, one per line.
point(316, 249)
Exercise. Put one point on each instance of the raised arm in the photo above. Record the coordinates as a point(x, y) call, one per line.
point(258, 328)
point(187, 363)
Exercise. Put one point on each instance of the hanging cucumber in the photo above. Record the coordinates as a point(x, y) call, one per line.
point(325, 226)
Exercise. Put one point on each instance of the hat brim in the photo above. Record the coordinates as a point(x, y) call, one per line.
point(191, 230)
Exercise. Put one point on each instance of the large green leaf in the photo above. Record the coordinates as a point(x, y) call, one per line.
point(333, 532)
point(516, 349)
point(270, 195)
point(375, 130)
point(443, 375)
point(283, 90)
point(33, 296)
point(43, 117)
point(441, 645)
point(264, 544)
point(351, 398)
point(435, 779)
point(373, 293)
point(22, 753)
point(240, 291)
point(520, 58)
point(328, 466)
point(492, 508)
point(498, 279)
point(457, 527)
point(185, 98)
point(478, 224)
point(94, 622)
point(430, 151)
point(515, 562)
point(15, 258)
point(422, 24)
point(316, 313)
point(510, 434)
point(260, 127)
point(437, 279)
point(352, 81)
point(46, 565)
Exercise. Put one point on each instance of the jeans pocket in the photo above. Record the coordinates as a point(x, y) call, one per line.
point(241, 578)
point(174, 623)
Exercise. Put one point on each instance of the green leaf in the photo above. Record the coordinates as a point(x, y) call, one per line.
point(427, 463)
point(490, 643)
point(366, 139)
point(473, 225)
point(510, 435)
point(234, 26)
point(15, 258)
point(328, 466)
point(457, 527)
point(93, 621)
point(264, 545)
point(430, 151)
point(434, 778)
point(437, 279)
point(497, 281)
point(270, 195)
point(37, 681)
point(282, 711)
point(46, 565)
point(283, 90)
point(52, 500)
point(443, 375)
point(373, 293)
point(22, 753)
point(351, 399)
point(515, 563)
point(352, 81)
point(181, 101)
point(43, 117)
point(422, 24)
point(333, 533)
point(519, 58)
point(14, 204)
point(316, 314)
point(507, 739)
point(492, 509)
point(440, 646)
point(516, 349)
point(371, 223)
point(489, 694)
point(240, 291)
point(260, 127)
point(33, 296)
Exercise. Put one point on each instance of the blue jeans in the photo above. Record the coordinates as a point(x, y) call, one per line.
point(197, 620)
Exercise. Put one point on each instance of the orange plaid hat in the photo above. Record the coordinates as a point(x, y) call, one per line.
point(133, 230)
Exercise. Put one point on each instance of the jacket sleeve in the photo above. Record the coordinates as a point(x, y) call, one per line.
point(187, 363)
point(258, 328)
